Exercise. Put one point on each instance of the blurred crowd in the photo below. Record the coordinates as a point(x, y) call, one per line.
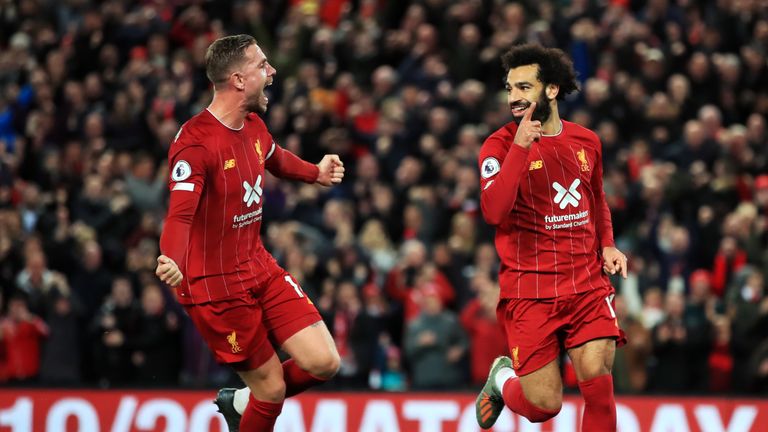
point(397, 259)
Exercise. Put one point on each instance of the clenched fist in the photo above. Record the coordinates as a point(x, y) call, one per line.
point(331, 170)
point(168, 271)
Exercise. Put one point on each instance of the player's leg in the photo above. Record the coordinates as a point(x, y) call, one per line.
point(529, 383)
point(314, 359)
point(267, 392)
point(591, 345)
point(593, 362)
point(294, 324)
point(234, 331)
point(537, 396)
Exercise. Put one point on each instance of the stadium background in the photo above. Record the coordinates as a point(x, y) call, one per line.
point(92, 92)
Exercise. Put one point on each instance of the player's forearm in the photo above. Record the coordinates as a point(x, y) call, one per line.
point(178, 225)
point(603, 223)
point(500, 194)
point(174, 240)
point(286, 165)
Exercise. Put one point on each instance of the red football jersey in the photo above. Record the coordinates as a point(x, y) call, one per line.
point(548, 206)
point(214, 216)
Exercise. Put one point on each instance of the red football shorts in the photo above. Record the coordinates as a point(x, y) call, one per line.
point(241, 332)
point(287, 309)
point(536, 327)
point(234, 331)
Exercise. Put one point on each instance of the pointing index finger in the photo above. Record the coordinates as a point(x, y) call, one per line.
point(529, 112)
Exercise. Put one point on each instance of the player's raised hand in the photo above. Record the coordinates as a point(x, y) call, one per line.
point(168, 271)
point(528, 130)
point(614, 261)
point(331, 170)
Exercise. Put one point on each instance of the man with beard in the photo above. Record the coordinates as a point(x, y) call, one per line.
point(234, 291)
point(542, 189)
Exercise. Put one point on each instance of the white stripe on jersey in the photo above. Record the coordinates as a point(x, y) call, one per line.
point(570, 238)
point(184, 186)
point(587, 188)
point(223, 228)
point(552, 209)
point(271, 150)
point(535, 234)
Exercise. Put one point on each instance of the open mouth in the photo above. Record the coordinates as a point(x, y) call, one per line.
point(265, 92)
point(518, 109)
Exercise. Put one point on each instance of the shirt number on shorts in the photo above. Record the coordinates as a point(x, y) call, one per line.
point(294, 285)
point(608, 301)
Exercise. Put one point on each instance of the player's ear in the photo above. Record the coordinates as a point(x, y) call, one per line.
point(237, 80)
point(552, 91)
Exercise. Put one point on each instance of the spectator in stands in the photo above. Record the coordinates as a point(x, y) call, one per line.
point(434, 344)
point(36, 281)
point(652, 312)
point(115, 325)
point(92, 281)
point(393, 377)
point(680, 350)
point(155, 352)
point(22, 335)
point(730, 259)
point(486, 338)
point(355, 331)
point(412, 270)
point(630, 367)
point(146, 185)
point(748, 311)
point(720, 359)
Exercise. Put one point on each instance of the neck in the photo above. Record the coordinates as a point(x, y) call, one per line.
point(228, 109)
point(553, 125)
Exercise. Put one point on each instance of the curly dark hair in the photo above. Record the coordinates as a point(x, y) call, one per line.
point(554, 65)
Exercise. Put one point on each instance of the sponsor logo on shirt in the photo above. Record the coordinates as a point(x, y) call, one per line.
point(581, 155)
point(252, 192)
point(537, 164)
point(257, 144)
point(490, 167)
point(564, 198)
point(243, 220)
point(232, 339)
point(230, 163)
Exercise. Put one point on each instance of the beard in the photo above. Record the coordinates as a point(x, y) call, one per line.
point(543, 110)
point(255, 105)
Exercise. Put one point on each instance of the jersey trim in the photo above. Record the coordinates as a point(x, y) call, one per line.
point(184, 186)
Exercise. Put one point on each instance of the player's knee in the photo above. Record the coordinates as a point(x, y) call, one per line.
point(547, 407)
point(327, 365)
point(271, 389)
point(594, 370)
point(324, 364)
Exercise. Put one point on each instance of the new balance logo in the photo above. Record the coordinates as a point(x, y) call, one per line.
point(253, 193)
point(568, 196)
